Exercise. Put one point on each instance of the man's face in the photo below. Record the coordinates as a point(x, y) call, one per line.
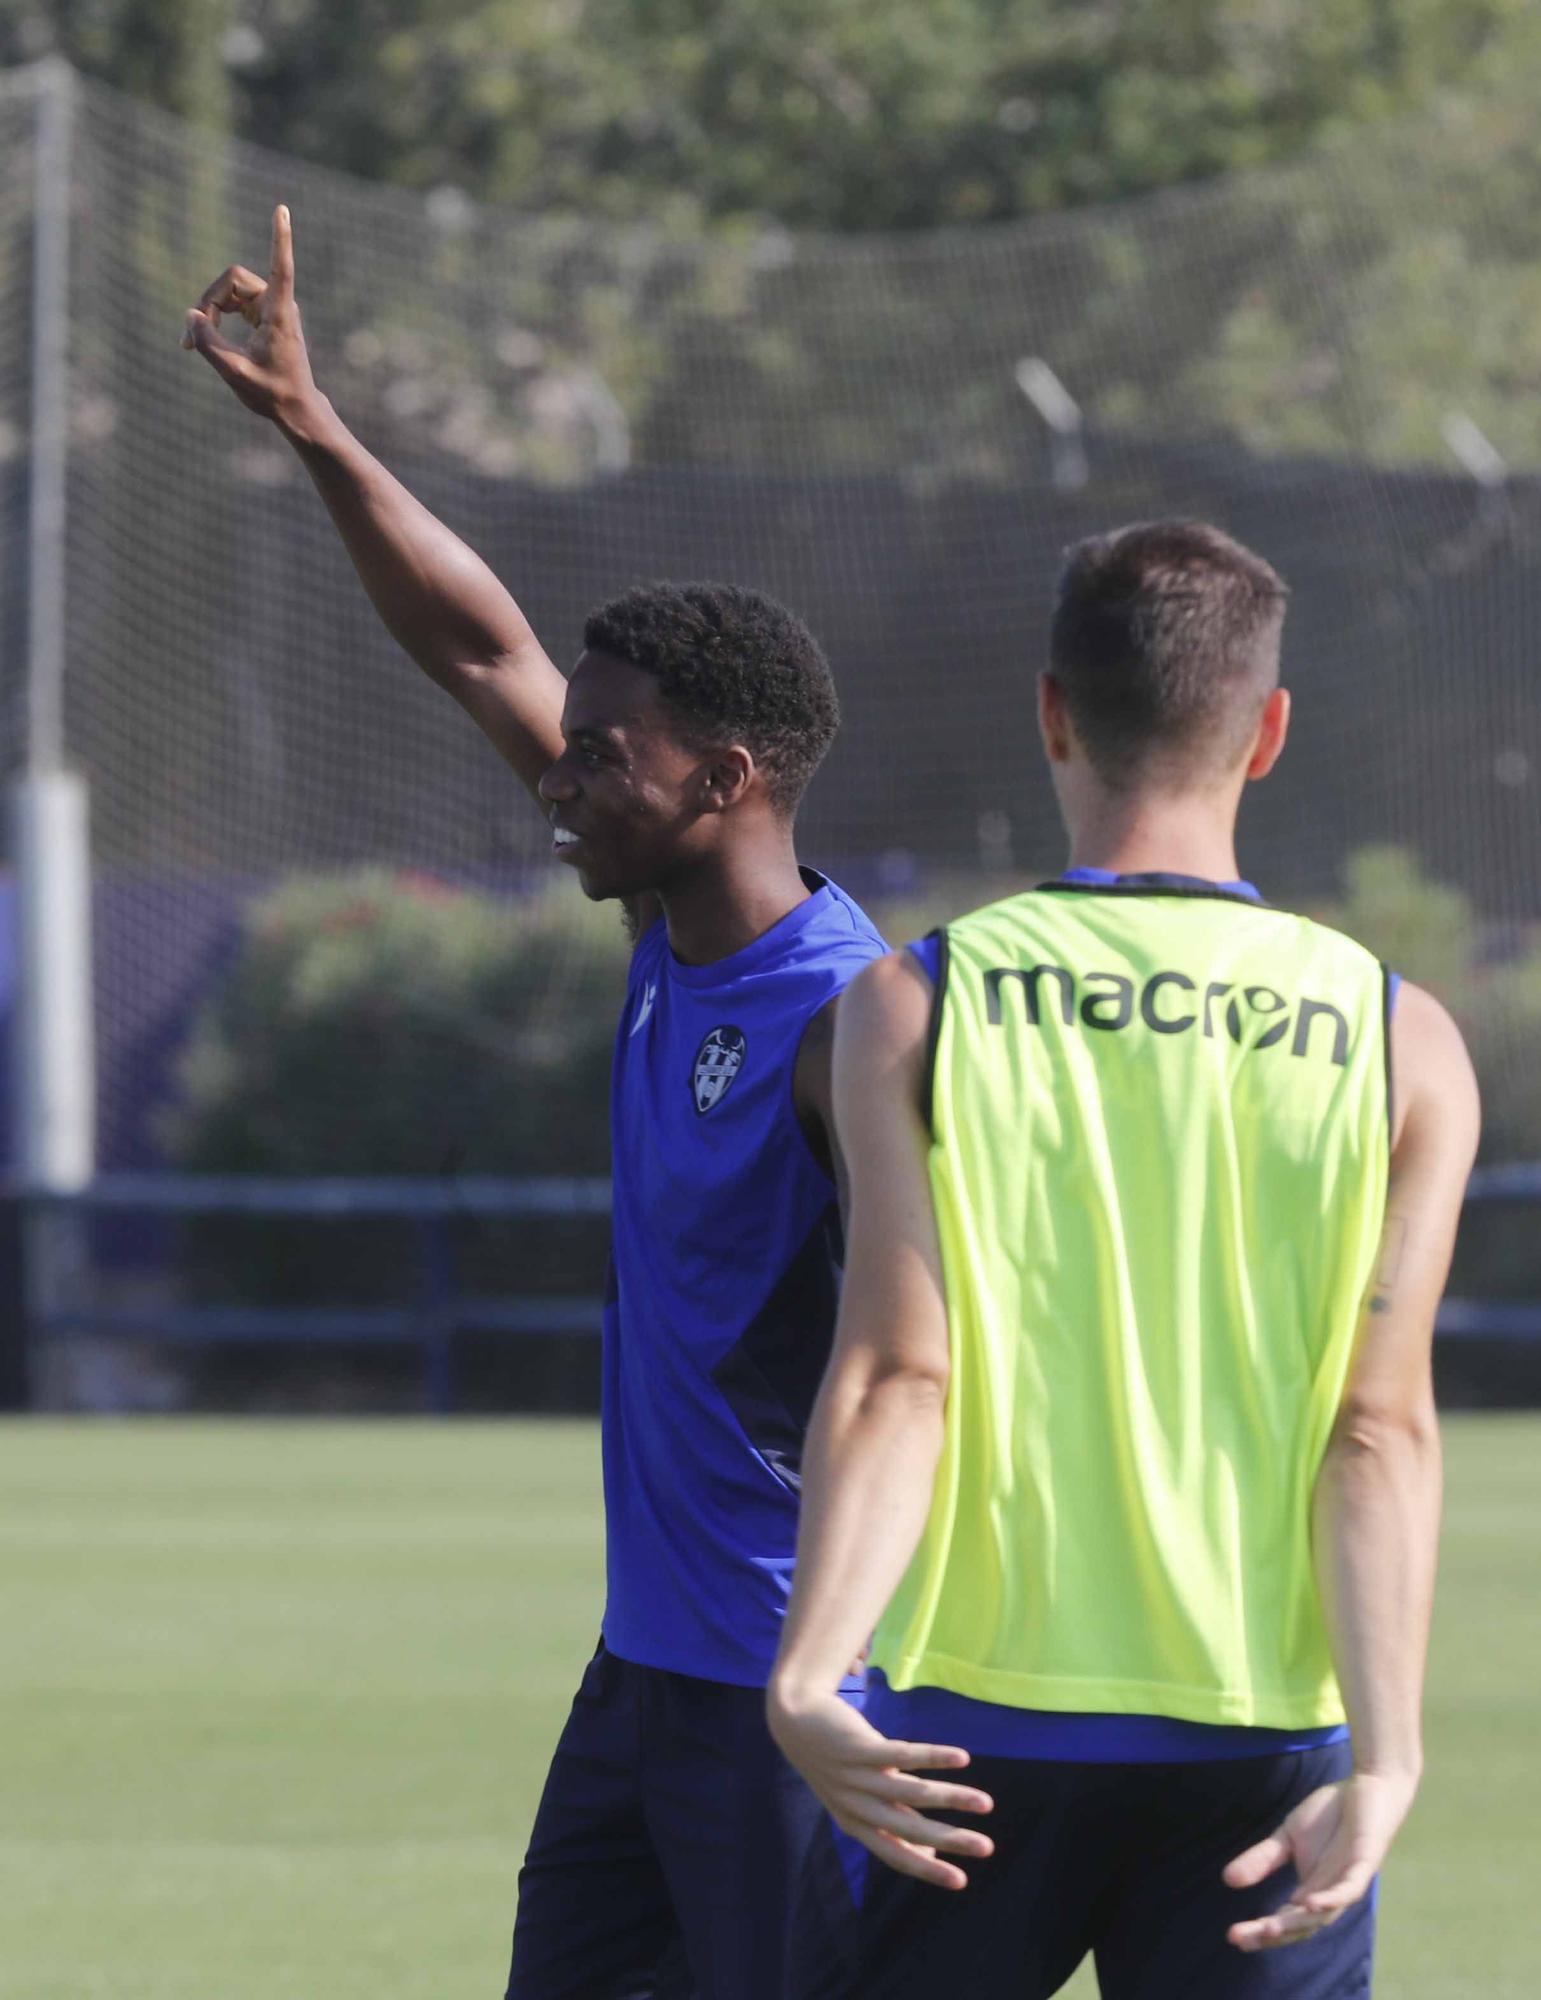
point(623, 799)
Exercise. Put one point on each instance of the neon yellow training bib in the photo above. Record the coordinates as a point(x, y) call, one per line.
point(1159, 1159)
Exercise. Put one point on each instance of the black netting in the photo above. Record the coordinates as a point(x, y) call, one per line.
point(842, 423)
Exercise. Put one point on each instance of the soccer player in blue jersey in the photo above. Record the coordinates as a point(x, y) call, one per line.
point(669, 767)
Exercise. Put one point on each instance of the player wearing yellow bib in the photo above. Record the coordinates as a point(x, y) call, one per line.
point(1127, 1450)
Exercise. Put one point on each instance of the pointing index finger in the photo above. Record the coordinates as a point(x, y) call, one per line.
point(282, 260)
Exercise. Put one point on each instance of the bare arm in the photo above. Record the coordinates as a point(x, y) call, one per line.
point(1378, 1494)
point(437, 598)
point(1377, 1500)
point(873, 1445)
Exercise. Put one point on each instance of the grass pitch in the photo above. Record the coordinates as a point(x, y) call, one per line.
point(276, 1699)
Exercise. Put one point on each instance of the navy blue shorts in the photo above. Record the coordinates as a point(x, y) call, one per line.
point(667, 1844)
point(1119, 1860)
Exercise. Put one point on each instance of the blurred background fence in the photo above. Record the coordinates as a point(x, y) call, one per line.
point(323, 941)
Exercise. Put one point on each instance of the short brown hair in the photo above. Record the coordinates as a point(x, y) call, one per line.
point(1165, 640)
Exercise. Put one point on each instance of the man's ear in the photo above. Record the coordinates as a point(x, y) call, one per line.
point(726, 777)
point(1272, 731)
point(1053, 720)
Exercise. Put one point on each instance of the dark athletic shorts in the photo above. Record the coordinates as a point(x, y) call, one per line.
point(1119, 1860)
point(666, 1847)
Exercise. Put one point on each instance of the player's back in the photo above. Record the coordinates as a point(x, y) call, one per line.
point(1160, 1137)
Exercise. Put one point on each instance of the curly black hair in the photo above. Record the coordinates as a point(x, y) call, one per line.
point(733, 666)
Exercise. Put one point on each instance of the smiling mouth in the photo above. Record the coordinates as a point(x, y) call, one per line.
point(563, 841)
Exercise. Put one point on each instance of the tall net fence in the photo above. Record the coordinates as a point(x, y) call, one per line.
point(321, 903)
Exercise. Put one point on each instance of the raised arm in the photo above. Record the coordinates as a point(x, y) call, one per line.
point(1377, 1498)
point(437, 598)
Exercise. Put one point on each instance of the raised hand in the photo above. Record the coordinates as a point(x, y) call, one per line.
point(862, 1780)
point(1336, 1841)
point(438, 599)
point(271, 371)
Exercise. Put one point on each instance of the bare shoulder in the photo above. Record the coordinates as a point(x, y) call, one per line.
point(1436, 1085)
point(887, 1005)
point(881, 1018)
point(889, 996)
point(882, 1032)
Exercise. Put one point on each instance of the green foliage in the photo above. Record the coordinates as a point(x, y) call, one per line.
point(393, 1024)
point(171, 53)
point(1430, 933)
point(397, 1024)
point(1357, 301)
point(1506, 1033)
point(388, 1024)
point(1348, 301)
point(861, 114)
point(1422, 929)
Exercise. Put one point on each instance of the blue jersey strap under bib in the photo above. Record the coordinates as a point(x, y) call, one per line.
point(990, 1729)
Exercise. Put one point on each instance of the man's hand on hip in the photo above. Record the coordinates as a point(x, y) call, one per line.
point(862, 1780)
point(1336, 1840)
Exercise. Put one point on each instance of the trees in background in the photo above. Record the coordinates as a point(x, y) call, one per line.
point(171, 53)
point(1355, 308)
point(827, 114)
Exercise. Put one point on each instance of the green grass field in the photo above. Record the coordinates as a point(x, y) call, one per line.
point(275, 1702)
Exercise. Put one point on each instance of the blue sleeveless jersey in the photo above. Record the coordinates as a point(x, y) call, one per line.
point(724, 1285)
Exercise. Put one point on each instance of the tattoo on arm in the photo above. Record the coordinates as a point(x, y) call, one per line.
point(1393, 1249)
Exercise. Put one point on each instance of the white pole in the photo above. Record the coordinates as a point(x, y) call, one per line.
point(52, 1037)
point(1475, 450)
point(1062, 415)
point(55, 1068)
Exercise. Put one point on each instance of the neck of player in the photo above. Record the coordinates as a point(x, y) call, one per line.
point(1155, 833)
point(732, 895)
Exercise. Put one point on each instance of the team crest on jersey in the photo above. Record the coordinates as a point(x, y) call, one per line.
point(718, 1060)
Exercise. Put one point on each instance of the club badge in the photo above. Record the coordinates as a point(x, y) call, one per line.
point(718, 1060)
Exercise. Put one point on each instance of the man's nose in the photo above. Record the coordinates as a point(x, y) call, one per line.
point(557, 784)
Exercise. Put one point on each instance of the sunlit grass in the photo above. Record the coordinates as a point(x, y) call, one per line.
point(276, 1700)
